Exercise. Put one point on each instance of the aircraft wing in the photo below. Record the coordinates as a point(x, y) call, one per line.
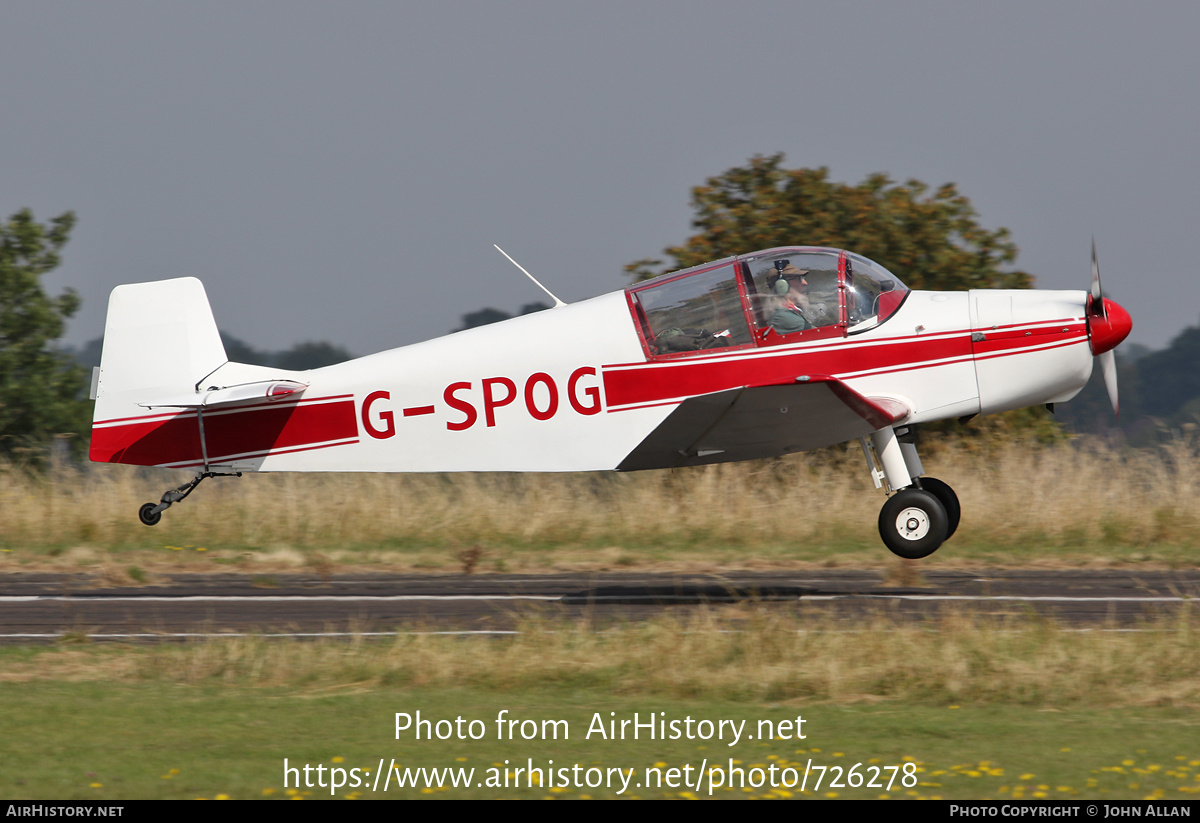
point(763, 421)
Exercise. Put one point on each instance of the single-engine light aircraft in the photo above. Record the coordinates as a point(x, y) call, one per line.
point(754, 356)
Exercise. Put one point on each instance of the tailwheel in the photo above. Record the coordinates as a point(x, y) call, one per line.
point(151, 513)
point(913, 523)
point(947, 498)
point(148, 515)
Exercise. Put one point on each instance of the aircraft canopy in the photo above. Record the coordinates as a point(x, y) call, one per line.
point(775, 296)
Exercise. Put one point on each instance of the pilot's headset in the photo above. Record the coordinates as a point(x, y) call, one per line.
point(781, 286)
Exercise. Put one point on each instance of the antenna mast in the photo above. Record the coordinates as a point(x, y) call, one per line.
point(557, 302)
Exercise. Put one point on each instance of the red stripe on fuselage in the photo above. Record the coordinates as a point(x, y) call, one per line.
point(658, 381)
point(650, 383)
point(153, 441)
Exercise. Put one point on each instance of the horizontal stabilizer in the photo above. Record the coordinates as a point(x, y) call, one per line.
point(263, 390)
point(763, 421)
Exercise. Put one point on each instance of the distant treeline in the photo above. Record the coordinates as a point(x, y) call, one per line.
point(484, 317)
point(1160, 393)
point(307, 355)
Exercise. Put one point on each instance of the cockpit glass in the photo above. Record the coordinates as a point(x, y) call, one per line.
point(812, 303)
point(874, 293)
point(694, 313)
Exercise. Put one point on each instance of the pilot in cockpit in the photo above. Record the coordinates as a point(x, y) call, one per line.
point(790, 287)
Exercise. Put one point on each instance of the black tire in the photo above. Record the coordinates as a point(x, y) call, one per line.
point(913, 523)
point(147, 514)
point(947, 498)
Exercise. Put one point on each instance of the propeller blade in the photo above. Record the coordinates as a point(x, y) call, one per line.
point(1108, 367)
point(1108, 324)
point(1097, 304)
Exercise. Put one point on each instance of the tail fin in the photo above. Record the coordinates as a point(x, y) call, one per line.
point(160, 340)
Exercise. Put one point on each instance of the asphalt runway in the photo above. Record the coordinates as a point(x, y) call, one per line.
point(52, 607)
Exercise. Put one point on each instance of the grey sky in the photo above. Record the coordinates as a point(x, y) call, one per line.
point(340, 170)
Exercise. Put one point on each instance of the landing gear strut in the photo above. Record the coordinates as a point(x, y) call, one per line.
point(151, 513)
point(922, 512)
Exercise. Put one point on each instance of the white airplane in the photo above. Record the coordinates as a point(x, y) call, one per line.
point(754, 356)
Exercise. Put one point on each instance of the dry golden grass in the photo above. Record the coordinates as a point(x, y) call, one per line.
point(747, 654)
point(1081, 497)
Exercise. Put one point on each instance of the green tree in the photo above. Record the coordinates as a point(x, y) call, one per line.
point(42, 390)
point(932, 241)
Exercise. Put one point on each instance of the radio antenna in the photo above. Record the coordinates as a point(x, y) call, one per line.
point(557, 302)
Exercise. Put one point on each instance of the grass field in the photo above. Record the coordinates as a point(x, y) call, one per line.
point(1073, 503)
point(971, 710)
point(99, 741)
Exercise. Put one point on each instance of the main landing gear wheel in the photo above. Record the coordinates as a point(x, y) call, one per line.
point(947, 498)
point(913, 523)
point(148, 515)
